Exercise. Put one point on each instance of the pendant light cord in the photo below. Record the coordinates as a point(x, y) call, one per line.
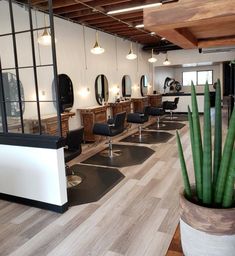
point(116, 53)
point(84, 45)
point(36, 21)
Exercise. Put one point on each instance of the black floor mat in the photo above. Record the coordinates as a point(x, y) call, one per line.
point(126, 155)
point(96, 182)
point(148, 137)
point(168, 126)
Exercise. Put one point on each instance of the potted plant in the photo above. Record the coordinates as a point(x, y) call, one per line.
point(207, 221)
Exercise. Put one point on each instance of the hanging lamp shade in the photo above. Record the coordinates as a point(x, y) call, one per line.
point(45, 38)
point(97, 49)
point(131, 55)
point(152, 59)
point(166, 62)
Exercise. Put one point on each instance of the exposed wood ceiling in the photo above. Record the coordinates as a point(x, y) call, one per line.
point(94, 14)
point(194, 23)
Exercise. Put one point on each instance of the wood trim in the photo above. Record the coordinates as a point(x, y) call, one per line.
point(216, 42)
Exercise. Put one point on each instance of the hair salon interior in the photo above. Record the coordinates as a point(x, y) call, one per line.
point(91, 96)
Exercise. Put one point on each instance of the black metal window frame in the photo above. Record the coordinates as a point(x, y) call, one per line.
point(197, 71)
point(5, 130)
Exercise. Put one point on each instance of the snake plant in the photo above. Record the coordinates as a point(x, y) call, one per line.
point(214, 180)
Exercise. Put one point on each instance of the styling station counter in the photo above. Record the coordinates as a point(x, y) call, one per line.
point(121, 106)
point(139, 103)
point(155, 100)
point(90, 116)
point(184, 101)
point(49, 124)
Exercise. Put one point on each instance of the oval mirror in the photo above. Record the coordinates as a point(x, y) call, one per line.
point(126, 86)
point(11, 94)
point(144, 85)
point(101, 89)
point(66, 95)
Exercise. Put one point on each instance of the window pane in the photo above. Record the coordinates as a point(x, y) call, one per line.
point(204, 76)
point(188, 77)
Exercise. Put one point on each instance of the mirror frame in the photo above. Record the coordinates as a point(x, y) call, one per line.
point(124, 86)
point(142, 85)
point(99, 101)
point(64, 106)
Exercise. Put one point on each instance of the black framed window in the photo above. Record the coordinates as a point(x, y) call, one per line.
point(199, 77)
point(26, 97)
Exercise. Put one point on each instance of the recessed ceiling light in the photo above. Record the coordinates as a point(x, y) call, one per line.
point(153, 33)
point(134, 8)
point(163, 38)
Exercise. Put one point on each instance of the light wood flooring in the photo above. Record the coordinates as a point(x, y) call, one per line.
point(138, 217)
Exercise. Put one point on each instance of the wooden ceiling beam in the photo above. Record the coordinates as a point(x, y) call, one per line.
point(61, 3)
point(181, 37)
point(132, 3)
point(71, 8)
point(100, 16)
point(188, 13)
point(216, 42)
point(179, 22)
point(98, 3)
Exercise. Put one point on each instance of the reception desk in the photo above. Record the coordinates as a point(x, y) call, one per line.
point(185, 101)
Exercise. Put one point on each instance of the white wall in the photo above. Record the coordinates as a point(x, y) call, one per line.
point(161, 73)
point(71, 60)
point(179, 57)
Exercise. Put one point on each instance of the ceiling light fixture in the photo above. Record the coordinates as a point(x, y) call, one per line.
point(131, 55)
point(139, 26)
point(153, 33)
point(45, 38)
point(166, 62)
point(134, 8)
point(97, 49)
point(152, 59)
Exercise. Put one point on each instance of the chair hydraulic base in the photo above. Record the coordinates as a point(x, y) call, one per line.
point(72, 179)
point(110, 152)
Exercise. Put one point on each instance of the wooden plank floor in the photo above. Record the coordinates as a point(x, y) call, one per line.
point(138, 217)
point(175, 248)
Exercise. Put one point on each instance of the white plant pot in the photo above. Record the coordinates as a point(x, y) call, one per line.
point(206, 231)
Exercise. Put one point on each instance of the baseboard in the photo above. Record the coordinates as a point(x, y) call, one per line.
point(51, 207)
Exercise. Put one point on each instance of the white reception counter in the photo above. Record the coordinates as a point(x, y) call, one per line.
point(184, 101)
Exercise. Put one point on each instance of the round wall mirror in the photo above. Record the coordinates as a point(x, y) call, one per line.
point(11, 94)
point(144, 85)
point(126, 86)
point(66, 95)
point(101, 89)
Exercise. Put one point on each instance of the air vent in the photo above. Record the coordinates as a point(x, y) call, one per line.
point(217, 50)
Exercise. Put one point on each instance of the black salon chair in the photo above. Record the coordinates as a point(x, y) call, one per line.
point(139, 118)
point(73, 149)
point(158, 112)
point(170, 105)
point(110, 129)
